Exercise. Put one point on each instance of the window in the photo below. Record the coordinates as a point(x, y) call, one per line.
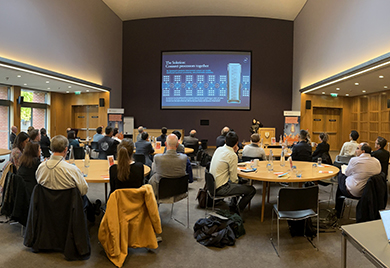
point(33, 110)
point(4, 116)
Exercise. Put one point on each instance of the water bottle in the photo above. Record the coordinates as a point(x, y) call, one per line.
point(271, 160)
point(282, 159)
point(71, 155)
point(86, 161)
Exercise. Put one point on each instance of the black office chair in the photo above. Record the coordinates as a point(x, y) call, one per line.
point(78, 152)
point(95, 146)
point(248, 158)
point(296, 204)
point(211, 192)
point(172, 190)
point(139, 158)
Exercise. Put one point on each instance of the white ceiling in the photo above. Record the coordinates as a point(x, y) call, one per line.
point(142, 9)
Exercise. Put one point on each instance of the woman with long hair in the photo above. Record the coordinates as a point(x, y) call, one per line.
point(127, 173)
point(29, 162)
point(20, 142)
point(322, 150)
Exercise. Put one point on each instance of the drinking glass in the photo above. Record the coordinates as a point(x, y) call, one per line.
point(299, 173)
point(319, 161)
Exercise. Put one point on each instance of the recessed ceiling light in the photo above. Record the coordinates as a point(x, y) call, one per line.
point(67, 91)
point(381, 76)
point(25, 84)
point(47, 82)
point(48, 88)
point(384, 93)
point(347, 94)
point(337, 88)
point(69, 86)
point(364, 91)
point(385, 86)
point(356, 84)
point(87, 90)
point(323, 92)
point(19, 75)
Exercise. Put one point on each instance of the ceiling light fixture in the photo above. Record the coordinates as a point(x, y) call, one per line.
point(19, 75)
point(337, 88)
point(356, 84)
point(323, 92)
point(67, 91)
point(381, 76)
point(364, 91)
point(385, 86)
point(87, 90)
point(347, 94)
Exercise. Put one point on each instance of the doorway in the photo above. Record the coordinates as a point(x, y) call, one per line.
point(86, 120)
point(328, 120)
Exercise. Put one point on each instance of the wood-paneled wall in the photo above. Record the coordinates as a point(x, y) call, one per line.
point(61, 109)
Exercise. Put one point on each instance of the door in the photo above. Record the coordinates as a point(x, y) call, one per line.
point(327, 120)
point(86, 119)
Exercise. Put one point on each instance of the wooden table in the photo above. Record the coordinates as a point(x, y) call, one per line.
point(4, 151)
point(275, 151)
point(161, 150)
point(98, 172)
point(308, 174)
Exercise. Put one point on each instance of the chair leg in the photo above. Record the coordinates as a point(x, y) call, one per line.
point(268, 191)
point(172, 211)
point(277, 224)
point(188, 212)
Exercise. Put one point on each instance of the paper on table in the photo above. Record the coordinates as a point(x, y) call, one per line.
point(326, 171)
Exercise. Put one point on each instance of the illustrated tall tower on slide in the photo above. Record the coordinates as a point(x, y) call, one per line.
point(234, 82)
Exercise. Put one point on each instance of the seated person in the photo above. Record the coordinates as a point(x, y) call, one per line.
point(34, 135)
point(322, 150)
point(163, 136)
point(29, 162)
point(12, 136)
point(169, 164)
point(359, 170)
point(17, 150)
point(127, 173)
point(224, 169)
point(191, 140)
point(381, 154)
point(145, 147)
point(140, 131)
point(115, 135)
point(221, 139)
point(254, 150)
point(302, 150)
point(349, 147)
point(107, 145)
point(57, 174)
point(98, 134)
point(180, 147)
point(72, 139)
point(45, 140)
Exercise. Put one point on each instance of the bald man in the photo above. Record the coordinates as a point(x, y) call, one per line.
point(169, 164)
point(191, 140)
point(221, 139)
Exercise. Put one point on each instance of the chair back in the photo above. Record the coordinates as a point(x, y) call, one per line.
point(45, 152)
point(78, 152)
point(169, 187)
point(292, 198)
point(95, 145)
point(210, 183)
point(139, 158)
point(195, 147)
point(248, 158)
point(344, 158)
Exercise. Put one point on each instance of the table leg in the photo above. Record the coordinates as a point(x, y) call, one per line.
point(105, 191)
point(251, 184)
point(343, 251)
point(269, 189)
point(263, 203)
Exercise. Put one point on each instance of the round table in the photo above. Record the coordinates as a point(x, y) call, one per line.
point(4, 151)
point(161, 150)
point(308, 174)
point(98, 172)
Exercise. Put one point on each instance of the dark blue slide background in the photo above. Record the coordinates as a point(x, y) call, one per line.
point(199, 80)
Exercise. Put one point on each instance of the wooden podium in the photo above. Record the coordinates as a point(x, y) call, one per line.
point(266, 133)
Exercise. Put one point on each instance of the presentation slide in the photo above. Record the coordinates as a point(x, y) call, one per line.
point(206, 80)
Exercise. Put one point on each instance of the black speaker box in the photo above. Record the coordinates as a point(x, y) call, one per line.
point(388, 103)
point(308, 104)
point(204, 122)
point(20, 100)
point(101, 102)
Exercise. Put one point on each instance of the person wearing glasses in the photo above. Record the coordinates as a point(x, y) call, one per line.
point(381, 154)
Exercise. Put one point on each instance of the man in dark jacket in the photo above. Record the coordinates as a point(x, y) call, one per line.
point(381, 154)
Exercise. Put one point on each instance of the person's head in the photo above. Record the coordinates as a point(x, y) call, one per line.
point(34, 135)
point(21, 140)
point(303, 134)
point(43, 132)
point(363, 148)
point(324, 137)
point(116, 131)
point(29, 129)
point(30, 153)
point(231, 139)
point(99, 130)
point(14, 129)
point(125, 152)
point(164, 130)
point(193, 133)
point(68, 129)
point(254, 121)
point(172, 142)
point(354, 135)
point(380, 143)
point(224, 131)
point(109, 131)
point(255, 138)
point(140, 129)
point(177, 133)
point(144, 135)
point(71, 135)
point(59, 144)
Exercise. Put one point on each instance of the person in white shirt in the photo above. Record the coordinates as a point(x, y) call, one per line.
point(359, 170)
point(349, 147)
point(224, 169)
point(57, 174)
point(254, 149)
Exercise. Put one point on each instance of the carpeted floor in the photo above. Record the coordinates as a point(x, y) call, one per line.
point(180, 249)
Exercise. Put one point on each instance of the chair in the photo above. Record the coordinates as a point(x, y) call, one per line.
point(79, 153)
point(195, 162)
point(248, 158)
point(56, 221)
point(296, 204)
point(211, 191)
point(172, 190)
point(95, 146)
point(139, 158)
